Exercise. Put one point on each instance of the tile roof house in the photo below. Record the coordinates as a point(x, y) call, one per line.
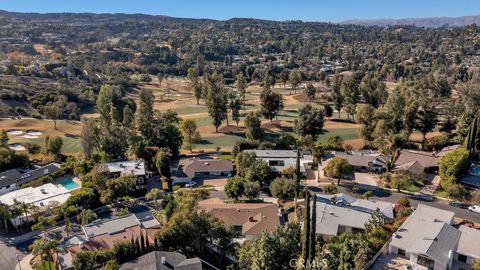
point(103, 234)
point(428, 239)
point(162, 260)
point(341, 213)
point(190, 168)
point(250, 218)
point(14, 178)
point(279, 160)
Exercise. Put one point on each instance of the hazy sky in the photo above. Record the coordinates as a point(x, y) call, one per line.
point(307, 10)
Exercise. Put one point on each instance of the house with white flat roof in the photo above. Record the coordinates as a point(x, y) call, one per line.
point(40, 196)
point(133, 167)
point(279, 160)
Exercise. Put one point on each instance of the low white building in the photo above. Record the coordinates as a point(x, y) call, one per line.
point(429, 241)
point(41, 196)
point(133, 167)
point(279, 160)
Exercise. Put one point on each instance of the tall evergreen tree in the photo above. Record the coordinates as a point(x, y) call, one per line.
point(313, 231)
point(306, 229)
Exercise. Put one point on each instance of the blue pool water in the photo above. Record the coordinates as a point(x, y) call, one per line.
point(475, 169)
point(68, 183)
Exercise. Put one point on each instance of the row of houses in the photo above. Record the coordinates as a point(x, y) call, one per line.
point(13, 179)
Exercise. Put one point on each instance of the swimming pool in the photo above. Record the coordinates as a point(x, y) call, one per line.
point(475, 169)
point(68, 183)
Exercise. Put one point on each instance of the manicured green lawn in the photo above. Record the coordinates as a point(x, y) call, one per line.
point(440, 193)
point(414, 187)
point(45, 266)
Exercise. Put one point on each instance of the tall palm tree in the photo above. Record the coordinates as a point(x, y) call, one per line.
point(15, 212)
point(5, 214)
point(64, 211)
point(86, 216)
point(46, 248)
point(43, 223)
point(24, 208)
point(154, 195)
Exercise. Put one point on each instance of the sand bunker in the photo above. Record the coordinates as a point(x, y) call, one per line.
point(33, 133)
point(14, 132)
point(16, 147)
point(28, 136)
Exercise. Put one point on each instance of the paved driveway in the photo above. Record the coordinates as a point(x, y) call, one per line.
point(366, 181)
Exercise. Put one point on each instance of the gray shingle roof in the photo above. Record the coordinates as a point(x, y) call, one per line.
point(469, 243)
point(162, 260)
point(428, 231)
point(330, 216)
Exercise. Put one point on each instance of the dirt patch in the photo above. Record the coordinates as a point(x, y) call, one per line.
point(230, 129)
point(418, 137)
point(354, 143)
point(329, 124)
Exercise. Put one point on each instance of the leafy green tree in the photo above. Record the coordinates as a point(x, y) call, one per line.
point(46, 249)
point(310, 121)
point(43, 223)
point(54, 112)
point(86, 216)
point(3, 138)
point(118, 188)
point(190, 134)
point(330, 189)
point(310, 92)
point(85, 260)
point(283, 188)
point(241, 85)
point(216, 100)
point(395, 106)
point(452, 166)
point(193, 77)
point(286, 141)
point(190, 231)
point(338, 168)
point(162, 162)
point(337, 97)
point(54, 146)
point(271, 104)
point(145, 115)
point(243, 161)
point(350, 94)
point(251, 190)
point(294, 79)
point(426, 118)
point(235, 105)
point(154, 194)
point(366, 117)
point(272, 250)
point(64, 212)
point(235, 187)
point(259, 172)
point(328, 110)
point(253, 125)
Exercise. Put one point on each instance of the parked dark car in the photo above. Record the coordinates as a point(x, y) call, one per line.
point(458, 204)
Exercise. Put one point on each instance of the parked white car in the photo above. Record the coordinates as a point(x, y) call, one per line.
point(191, 184)
point(474, 208)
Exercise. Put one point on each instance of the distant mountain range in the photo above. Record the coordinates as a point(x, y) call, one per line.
point(433, 22)
point(89, 18)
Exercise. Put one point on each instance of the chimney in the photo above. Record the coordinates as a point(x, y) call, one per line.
point(250, 218)
point(162, 260)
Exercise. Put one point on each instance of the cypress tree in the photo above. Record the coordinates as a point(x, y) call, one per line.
point(313, 229)
point(155, 243)
point(148, 248)
point(142, 243)
point(306, 228)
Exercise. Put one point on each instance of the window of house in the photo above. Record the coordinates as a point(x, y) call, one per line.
point(276, 163)
point(424, 261)
point(401, 252)
point(462, 258)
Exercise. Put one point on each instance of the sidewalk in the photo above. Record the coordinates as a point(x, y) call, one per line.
point(24, 263)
